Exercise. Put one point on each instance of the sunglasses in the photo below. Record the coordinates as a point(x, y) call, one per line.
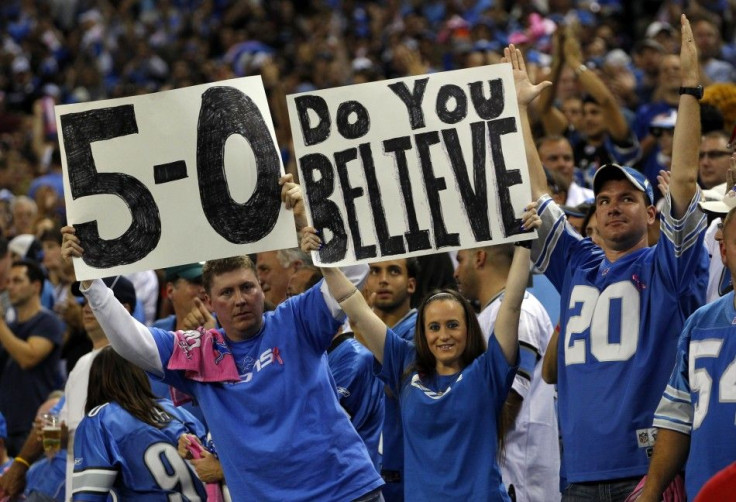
point(659, 131)
point(713, 154)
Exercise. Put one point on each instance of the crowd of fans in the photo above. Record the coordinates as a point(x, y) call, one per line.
point(616, 72)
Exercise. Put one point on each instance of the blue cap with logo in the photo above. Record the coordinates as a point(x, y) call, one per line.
point(614, 171)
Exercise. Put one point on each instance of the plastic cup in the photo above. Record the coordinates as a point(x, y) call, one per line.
point(51, 434)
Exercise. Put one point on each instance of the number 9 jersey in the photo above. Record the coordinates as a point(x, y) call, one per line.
point(116, 453)
point(619, 323)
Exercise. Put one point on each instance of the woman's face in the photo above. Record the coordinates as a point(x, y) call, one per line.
point(447, 334)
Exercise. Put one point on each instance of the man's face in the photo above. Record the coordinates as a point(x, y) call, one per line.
point(669, 72)
point(622, 215)
point(89, 321)
point(391, 282)
point(237, 299)
point(706, 39)
point(298, 281)
point(557, 156)
point(466, 275)
point(23, 214)
point(714, 161)
point(182, 293)
point(728, 247)
point(273, 277)
point(20, 288)
point(593, 121)
point(573, 109)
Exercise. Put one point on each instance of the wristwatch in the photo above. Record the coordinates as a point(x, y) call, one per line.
point(693, 91)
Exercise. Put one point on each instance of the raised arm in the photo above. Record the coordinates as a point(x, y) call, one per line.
point(526, 92)
point(553, 120)
point(506, 328)
point(686, 140)
point(618, 128)
point(362, 317)
point(128, 336)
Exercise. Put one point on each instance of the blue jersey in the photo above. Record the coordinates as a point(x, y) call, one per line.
point(116, 452)
point(618, 336)
point(450, 423)
point(280, 431)
point(700, 398)
point(360, 392)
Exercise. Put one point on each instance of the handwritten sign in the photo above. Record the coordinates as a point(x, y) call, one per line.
point(173, 177)
point(412, 166)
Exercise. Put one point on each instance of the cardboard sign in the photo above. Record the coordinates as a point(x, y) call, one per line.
point(174, 177)
point(412, 166)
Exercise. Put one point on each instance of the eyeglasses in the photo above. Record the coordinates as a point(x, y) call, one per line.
point(713, 154)
point(659, 131)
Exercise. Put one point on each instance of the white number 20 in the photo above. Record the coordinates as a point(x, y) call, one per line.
point(701, 381)
point(595, 313)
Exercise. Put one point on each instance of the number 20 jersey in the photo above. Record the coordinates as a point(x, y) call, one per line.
point(619, 324)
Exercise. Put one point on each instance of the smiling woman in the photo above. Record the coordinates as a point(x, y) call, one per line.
point(451, 388)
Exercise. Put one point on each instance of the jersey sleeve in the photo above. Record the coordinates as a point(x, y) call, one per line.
point(95, 460)
point(530, 351)
point(552, 250)
point(627, 152)
point(398, 354)
point(313, 318)
point(681, 254)
point(675, 410)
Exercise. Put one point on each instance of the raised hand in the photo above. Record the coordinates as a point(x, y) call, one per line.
point(526, 92)
point(689, 64)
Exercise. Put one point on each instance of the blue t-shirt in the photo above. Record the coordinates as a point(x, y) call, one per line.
point(618, 329)
point(359, 391)
point(116, 452)
point(23, 390)
point(48, 477)
point(280, 432)
point(450, 424)
point(700, 398)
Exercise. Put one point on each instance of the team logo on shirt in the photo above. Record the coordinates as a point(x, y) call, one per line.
point(638, 283)
point(249, 366)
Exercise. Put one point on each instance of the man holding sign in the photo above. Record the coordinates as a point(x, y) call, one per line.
point(262, 381)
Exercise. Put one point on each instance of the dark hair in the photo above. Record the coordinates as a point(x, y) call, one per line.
point(588, 216)
point(113, 379)
point(412, 267)
point(51, 234)
point(426, 363)
point(213, 268)
point(33, 270)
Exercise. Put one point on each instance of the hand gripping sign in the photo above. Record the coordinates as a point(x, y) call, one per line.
point(412, 166)
point(173, 177)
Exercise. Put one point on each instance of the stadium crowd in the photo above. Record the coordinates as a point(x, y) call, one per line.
point(449, 379)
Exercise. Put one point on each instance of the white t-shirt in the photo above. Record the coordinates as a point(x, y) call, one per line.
point(531, 459)
point(72, 412)
point(577, 194)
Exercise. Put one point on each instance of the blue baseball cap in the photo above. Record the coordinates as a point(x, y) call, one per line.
point(614, 171)
point(3, 427)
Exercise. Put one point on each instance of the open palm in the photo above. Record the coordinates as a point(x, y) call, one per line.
point(525, 90)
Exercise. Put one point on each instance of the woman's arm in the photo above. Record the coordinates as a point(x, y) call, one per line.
point(506, 329)
point(351, 301)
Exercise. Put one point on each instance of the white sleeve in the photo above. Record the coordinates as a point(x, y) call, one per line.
point(128, 337)
point(355, 274)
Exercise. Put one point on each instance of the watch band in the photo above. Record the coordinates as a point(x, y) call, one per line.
point(697, 92)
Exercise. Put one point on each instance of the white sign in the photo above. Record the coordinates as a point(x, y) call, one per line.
point(412, 166)
point(173, 177)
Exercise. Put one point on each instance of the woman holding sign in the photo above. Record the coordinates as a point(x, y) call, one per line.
point(450, 386)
